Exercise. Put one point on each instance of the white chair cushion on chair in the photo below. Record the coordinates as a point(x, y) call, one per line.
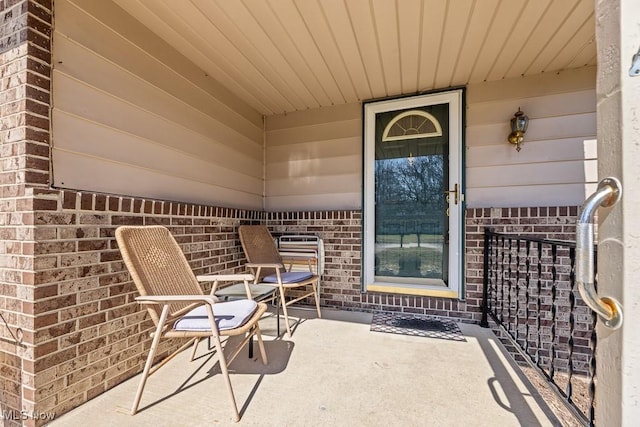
point(228, 315)
point(289, 277)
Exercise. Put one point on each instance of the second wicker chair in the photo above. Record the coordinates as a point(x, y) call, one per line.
point(266, 264)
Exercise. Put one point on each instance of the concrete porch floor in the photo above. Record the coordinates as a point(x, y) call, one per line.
point(334, 372)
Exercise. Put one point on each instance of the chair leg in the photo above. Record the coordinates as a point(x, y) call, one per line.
point(284, 311)
point(195, 348)
point(263, 353)
point(147, 365)
point(277, 301)
point(225, 374)
point(315, 296)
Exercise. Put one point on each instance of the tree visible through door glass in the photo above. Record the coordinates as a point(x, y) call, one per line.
point(411, 179)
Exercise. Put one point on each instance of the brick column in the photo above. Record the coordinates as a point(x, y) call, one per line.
point(25, 71)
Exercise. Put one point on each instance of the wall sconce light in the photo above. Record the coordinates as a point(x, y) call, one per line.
point(519, 123)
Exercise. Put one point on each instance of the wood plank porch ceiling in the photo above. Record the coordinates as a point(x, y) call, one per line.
point(288, 55)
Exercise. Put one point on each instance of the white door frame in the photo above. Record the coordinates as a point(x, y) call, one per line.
point(455, 283)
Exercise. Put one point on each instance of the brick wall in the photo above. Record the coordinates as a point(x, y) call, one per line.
point(542, 222)
point(342, 235)
point(25, 30)
point(90, 333)
point(534, 302)
point(341, 286)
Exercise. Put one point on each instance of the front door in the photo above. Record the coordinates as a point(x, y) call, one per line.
point(413, 195)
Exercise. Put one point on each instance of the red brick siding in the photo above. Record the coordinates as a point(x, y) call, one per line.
point(342, 235)
point(341, 232)
point(91, 333)
point(535, 329)
point(543, 222)
point(25, 30)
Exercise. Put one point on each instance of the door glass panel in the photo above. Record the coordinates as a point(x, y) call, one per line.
point(411, 176)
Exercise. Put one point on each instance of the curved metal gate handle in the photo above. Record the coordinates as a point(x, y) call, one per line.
point(608, 193)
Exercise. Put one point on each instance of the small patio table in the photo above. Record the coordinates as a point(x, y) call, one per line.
point(237, 291)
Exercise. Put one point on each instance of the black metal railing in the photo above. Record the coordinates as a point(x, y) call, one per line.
point(530, 293)
point(15, 334)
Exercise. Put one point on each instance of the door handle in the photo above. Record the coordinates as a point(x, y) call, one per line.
point(455, 193)
point(608, 309)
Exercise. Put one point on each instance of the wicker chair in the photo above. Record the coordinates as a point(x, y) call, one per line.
point(177, 305)
point(266, 264)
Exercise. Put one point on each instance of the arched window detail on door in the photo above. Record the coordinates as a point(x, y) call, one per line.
point(410, 125)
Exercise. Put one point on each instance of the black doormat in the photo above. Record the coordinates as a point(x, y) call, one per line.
point(404, 324)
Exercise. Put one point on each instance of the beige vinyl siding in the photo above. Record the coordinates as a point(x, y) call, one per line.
point(133, 116)
point(314, 158)
point(558, 161)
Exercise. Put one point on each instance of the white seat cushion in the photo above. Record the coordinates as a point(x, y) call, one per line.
point(289, 277)
point(228, 315)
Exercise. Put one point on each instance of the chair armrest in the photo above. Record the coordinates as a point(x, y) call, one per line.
point(265, 265)
point(300, 255)
point(224, 277)
point(216, 278)
point(165, 299)
point(257, 267)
